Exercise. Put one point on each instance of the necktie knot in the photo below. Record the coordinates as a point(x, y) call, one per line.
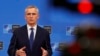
point(31, 28)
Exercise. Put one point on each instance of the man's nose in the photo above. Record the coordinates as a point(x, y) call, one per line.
point(31, 15)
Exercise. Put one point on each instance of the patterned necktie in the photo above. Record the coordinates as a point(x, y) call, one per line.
point(31, 37)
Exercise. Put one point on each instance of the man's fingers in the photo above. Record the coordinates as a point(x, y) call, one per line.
point(21, 52)
point(42, 48)
point(44, 52)
point(22, 48)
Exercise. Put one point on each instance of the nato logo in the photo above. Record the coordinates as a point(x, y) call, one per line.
point(7, 28)
point(58, 46)
point(69, 31)
point(54, 46)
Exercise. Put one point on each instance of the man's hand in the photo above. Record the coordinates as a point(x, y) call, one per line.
point(44, 52)
point(21, 52)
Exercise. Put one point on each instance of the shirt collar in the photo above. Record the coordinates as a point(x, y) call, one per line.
point(34, 27)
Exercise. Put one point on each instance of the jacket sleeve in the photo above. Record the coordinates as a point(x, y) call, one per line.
point(12, 46)
point(47, 44)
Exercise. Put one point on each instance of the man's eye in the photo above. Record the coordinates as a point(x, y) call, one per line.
point(28, 13)
point(31, 13)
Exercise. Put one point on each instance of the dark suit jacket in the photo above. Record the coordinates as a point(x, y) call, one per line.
point(20, 39)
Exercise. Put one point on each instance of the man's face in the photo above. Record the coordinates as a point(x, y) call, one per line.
point(31, 16)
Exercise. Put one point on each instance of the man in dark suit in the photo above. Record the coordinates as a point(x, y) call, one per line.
point(30, 39)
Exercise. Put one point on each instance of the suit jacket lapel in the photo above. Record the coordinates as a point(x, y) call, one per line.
point(37, 37)
point(26, 36)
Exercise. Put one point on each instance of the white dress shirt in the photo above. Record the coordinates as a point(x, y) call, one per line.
point(29, 31)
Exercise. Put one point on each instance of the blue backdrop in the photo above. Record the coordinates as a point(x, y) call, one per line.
point(12, 12)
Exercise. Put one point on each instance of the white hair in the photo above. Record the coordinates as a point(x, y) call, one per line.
point(31, 6)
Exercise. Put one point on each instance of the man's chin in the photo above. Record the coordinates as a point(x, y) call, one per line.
point(31, 23)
